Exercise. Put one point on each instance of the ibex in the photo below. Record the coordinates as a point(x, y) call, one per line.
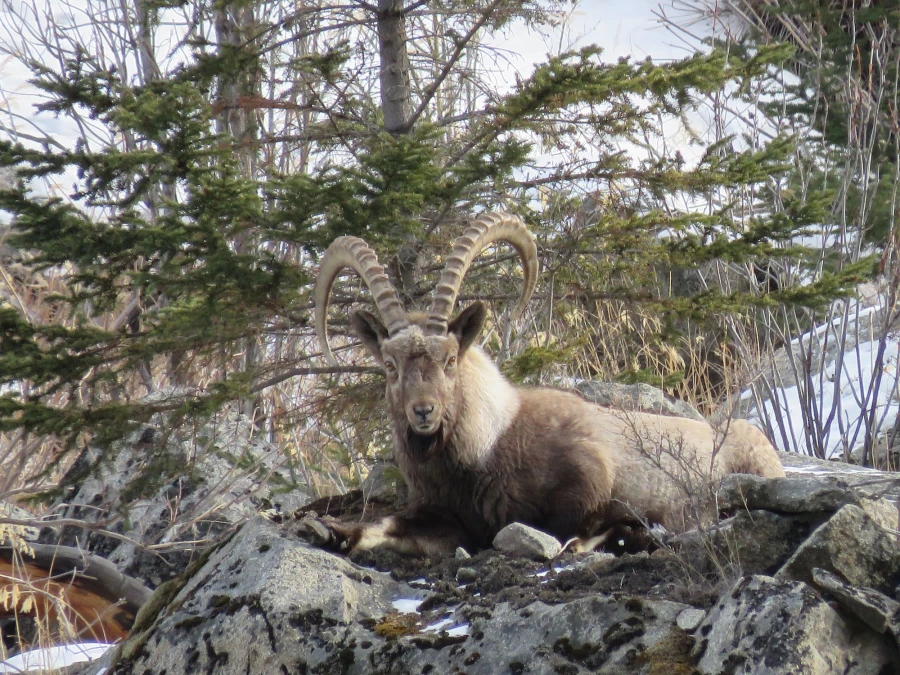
point(478, 453)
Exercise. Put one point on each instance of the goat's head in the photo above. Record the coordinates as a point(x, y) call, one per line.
point(422, 353)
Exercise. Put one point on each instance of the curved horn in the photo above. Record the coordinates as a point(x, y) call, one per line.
point(484, 230)
point(354, 252)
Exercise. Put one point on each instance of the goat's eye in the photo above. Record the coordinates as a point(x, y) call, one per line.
point(451, 361)
point(390, 368)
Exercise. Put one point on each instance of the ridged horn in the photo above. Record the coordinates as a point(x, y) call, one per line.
point(353, 252)
point(482, 232)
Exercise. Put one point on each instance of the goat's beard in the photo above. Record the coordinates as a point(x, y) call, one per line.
point(421, 445)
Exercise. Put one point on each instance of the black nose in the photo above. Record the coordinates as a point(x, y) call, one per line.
point(423, 411)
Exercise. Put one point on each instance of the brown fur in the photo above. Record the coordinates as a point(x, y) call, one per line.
point(64, 587)
point(483, 453)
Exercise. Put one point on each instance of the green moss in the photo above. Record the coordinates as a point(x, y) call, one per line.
point(396, 625)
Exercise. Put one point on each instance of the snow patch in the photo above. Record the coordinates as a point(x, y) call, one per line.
point(455, 631)
point(53, 658)
point(407, 605)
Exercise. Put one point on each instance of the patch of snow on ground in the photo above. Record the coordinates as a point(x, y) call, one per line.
point(557, 569)
point(438, 625)
point(407, 605)
point(53, 658)
point(834, 324)
point(823, 470)
point(455, 631)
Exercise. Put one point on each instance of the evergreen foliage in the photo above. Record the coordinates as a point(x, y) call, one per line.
point(843, 84)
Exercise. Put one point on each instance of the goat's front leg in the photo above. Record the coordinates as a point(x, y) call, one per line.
point(420, 533)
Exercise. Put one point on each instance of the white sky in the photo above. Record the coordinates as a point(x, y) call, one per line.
point(621, 28)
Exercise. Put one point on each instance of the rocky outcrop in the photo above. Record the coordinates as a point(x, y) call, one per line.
point(267, 603)
point(800, 595)
point(798, 494)
point(876, 610)
point(766, 626)
point(262, 603)
point(640, 397)
point(850, 544)
point(216, 476)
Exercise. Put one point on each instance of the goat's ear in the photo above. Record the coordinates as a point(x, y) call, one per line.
point(370, 329)
point(468, 324)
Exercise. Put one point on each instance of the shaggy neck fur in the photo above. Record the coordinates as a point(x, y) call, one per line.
point(489, 404)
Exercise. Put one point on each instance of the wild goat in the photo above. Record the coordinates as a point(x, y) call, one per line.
point(478, 453)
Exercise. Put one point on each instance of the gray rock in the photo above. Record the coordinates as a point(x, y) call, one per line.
point(788, 495)
point(461, 553)
point(228, 474)
point(883, 511)
point(800, 494)
point(640, 397)
point(762, 541)
point(383, 482)
point(526, 542)
point(750, 542)
point(595, 634)
point(595, 559)
point(852, 545)
point(875, 609)
point(765, 626)
point(18, 533)
point(246, 609)
point(803, 465)
point(466, 575)
point(264, 603)
point(689, 619)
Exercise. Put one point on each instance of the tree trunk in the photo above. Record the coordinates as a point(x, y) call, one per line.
point(394, 76)
point(234, 22)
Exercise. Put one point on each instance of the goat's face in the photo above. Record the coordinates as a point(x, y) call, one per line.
point(421, 369)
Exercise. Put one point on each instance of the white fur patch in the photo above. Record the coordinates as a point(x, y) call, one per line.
point(375, 534)
point(586, 545)
point(490, 402)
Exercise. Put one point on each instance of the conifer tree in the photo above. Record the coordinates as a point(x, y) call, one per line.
point(842, 84)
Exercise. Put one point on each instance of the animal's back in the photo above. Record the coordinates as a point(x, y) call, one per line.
point(667, 468)
point(545, 469)
point(749, 451)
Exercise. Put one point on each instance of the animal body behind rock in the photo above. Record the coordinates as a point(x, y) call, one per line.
point(479, 453)
point(68, 593)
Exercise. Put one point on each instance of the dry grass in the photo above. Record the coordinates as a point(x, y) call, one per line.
point(708, 554)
